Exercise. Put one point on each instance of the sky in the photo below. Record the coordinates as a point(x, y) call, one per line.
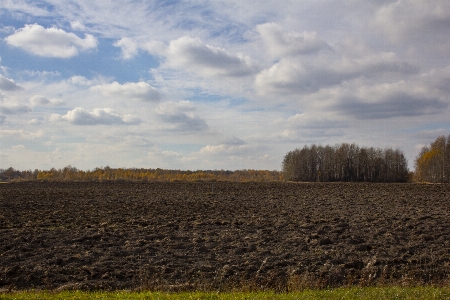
point(204, 85)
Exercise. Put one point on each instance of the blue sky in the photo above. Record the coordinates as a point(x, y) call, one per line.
point(217, 84)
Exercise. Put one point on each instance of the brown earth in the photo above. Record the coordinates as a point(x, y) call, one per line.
point(222, 235)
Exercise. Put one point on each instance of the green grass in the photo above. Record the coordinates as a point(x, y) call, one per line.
point(340, 293)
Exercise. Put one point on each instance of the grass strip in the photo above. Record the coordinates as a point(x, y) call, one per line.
point(427, 292)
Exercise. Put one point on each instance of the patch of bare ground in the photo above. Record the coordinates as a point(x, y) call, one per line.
point(222, 235)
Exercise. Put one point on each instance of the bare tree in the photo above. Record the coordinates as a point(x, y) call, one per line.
point(345, 162)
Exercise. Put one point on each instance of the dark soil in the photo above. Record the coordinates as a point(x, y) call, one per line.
point(222, 235)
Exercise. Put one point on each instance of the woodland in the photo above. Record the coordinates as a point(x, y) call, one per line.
point(315, 163)
point(345, 162)
point(70, 173)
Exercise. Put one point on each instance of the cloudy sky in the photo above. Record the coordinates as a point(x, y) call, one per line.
point(217, 84)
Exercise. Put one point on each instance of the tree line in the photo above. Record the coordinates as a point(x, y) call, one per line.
point(433, 162)
point(70, 173)
point(345, 162)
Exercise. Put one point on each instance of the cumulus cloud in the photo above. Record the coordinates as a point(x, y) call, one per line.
point(195, 56)
point(22, 7)
point(437, 80)
point(81, 80)
point(232, 146)
point(7, 84)
point(128, 46)
point(35, 121)
point(99, 116)
point(130, 140)
point(14, 109)
point(298, 76)
point(138, 142)
point(38, 100)
point(131, 90)
point(180, 116)
point(396, 104)
point(280, 43)
point(416, 20)
point(360, 99)
point(156, 48)
point(309, 121)
point(420, 26)
point(234, 141)
point(21, 134)
point(226, 149)
point(77, 25)
point(192, 55)
point(428, 135)
point(307, 126)
point(50, 42)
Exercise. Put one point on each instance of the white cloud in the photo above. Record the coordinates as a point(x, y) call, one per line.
point(229, 147)
point(309, 121)
point(42, 73)
point(304, 127)
point(383, 101)
point(99, 116)
point(294, 75)
point(194, 56)
point(81, 80)
point(430, 135)
point(117, 138)
point(131, 90)
point(18, 147)
point(157, 48)
point(225, 149)
point(180, 116)
point(234, 141)
point(38, 100)
point(26, 7)
point(77, 25)
point(422, 25)
point(138, 142)
point(14, 109)
point(7, 84)
point(172, 154)
point(35, 122)
point(280, 43)
point(3, 69)
point(171, 107)
point(21, 134)
point(50, 42)
point(128, 46)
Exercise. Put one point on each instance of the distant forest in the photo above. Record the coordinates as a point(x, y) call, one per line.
point(345, 162)
point(70, 173)
point(340, 163)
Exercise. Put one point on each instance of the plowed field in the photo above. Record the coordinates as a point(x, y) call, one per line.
point(222, 235)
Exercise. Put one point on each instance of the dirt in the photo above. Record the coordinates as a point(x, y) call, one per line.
point(221, 235)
